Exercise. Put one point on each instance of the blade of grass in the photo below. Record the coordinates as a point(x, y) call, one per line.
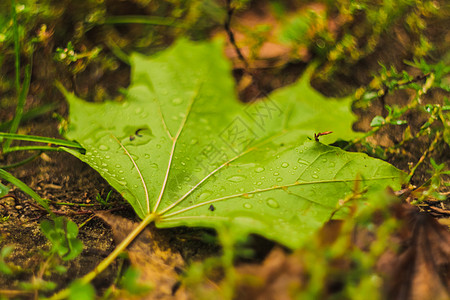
point(25, 188)
point(22, 162)
point(41, 139)
point(31, 148)
point(20, 105)
point(16, 45)
point(147, 20)
point(119, 53)
point(21, 92)
point(31, 114)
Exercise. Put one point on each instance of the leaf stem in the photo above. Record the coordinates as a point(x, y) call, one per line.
point(111, 257)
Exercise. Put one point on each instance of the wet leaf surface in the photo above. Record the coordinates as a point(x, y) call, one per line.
point(184, 148)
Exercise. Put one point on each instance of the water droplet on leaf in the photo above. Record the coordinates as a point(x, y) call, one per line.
point(248, 205)
point(272, 203)
point(236, 178)
point(302, 162)
point(177, 101)
point(204, 195)
point(259, 169)
point(285, 165)
point(103, 147)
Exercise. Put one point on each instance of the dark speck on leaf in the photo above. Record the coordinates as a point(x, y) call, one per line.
point(137, 132)
point(212, 208)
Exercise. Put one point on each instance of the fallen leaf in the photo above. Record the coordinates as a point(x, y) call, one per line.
point(182, 142)
point(276, 278)
point(151, 254)
point(422, 269)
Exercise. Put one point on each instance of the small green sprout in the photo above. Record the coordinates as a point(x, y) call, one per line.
point(130, 283)
point(62, 233)
point(5, 268)
point(102, 201)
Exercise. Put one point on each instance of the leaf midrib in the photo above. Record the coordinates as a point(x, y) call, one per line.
point(286, 186)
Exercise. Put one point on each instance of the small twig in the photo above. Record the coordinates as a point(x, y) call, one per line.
point(86, 221)
point(318, 135)
point(425, 154)
point(231, 37)
point(439, 211)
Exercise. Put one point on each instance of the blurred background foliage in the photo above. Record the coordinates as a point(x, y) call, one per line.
point(88, 40)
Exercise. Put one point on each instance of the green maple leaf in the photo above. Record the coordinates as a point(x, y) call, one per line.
point(184, 149)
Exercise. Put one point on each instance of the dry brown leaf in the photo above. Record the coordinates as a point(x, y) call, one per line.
point(422, 269)
point(152, 255)
point(274, 279)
